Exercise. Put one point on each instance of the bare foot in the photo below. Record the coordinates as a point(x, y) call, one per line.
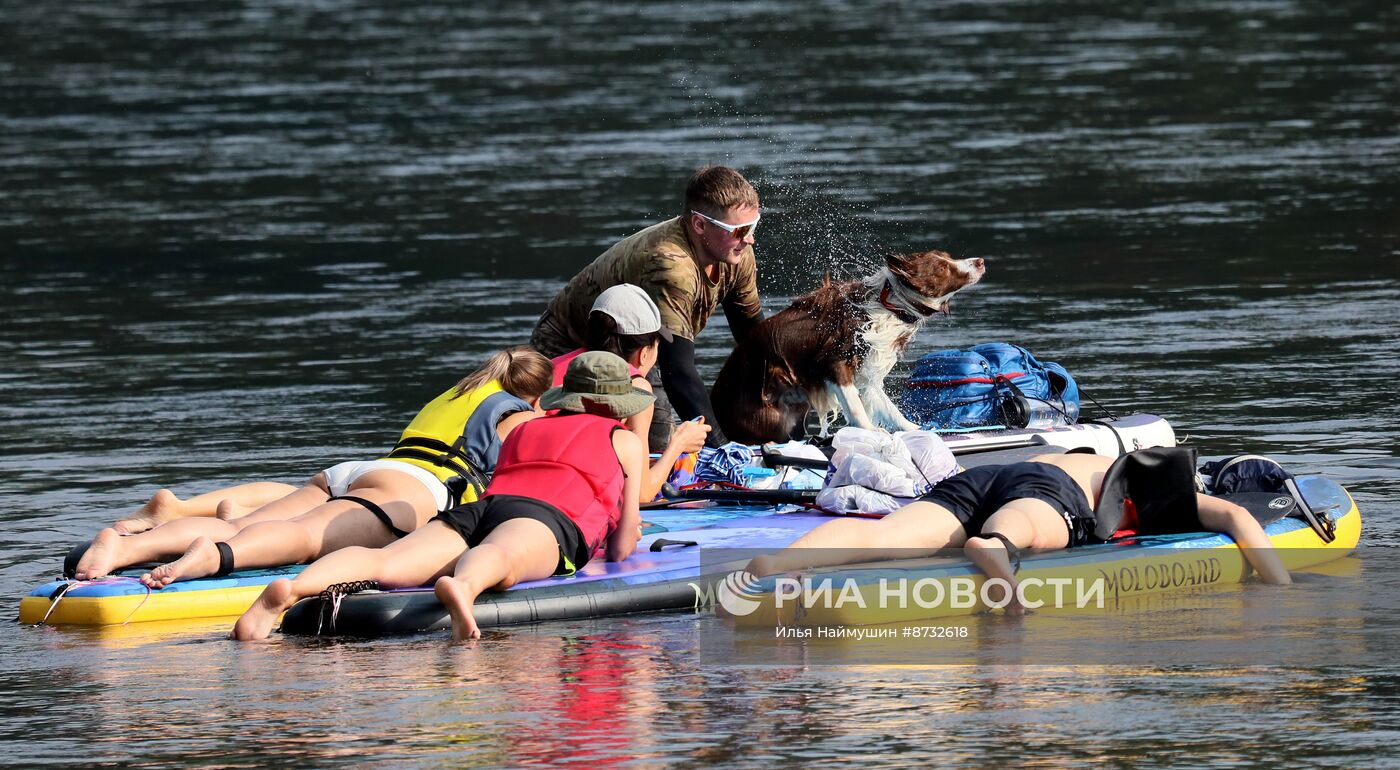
point(200, 559)
point(163, 506)
point(228, 509)
point(759, 566)
point(258, 621)
point(456, 596)
point(103, 556)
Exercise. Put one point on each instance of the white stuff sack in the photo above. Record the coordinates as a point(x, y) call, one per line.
point(877, 472)
point(931, 457)
point(853, 498)
point(792, 477)
point(799, 449)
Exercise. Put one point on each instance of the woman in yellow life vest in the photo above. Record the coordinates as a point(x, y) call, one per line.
point(444, 457)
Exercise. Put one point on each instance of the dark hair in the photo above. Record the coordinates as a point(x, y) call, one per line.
point(714, 190)
point(521, 370)
point(603, 335)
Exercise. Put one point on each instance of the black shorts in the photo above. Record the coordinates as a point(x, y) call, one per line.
point(977, 493)
point(474, 521)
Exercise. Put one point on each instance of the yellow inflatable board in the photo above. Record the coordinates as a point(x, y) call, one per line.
point(1063, 580)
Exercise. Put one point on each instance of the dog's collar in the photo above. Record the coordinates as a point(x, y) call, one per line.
point(886, 301)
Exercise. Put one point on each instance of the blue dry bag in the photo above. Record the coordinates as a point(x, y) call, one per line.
point(995, 383)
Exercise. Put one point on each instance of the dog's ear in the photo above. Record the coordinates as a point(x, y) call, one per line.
point(899, 265)
point(910, 267)
point(909, 261)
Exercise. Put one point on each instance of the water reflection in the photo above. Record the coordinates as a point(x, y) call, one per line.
point(610, 693)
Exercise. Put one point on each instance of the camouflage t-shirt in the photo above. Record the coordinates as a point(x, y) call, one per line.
point(659, 260)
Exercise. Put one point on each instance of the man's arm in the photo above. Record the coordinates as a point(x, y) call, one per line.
point(1219, 515)
point(741, 305)
point(683, 384)
point(740, 323)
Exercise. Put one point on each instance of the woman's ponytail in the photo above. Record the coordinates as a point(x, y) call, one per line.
point(521, 370)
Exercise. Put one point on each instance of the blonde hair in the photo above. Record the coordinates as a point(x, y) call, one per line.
point(521, 370)
point(714, 190)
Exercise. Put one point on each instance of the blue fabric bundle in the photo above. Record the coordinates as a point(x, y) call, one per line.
point(725, 463)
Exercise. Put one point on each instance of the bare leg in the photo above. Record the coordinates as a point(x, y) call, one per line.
point(275, 543)
point(164, 506)
point(328, 527)
point(200, 559)
point(427, 553)
point(288, 506)
point(921, 526)
point(1026, 523)
point(109, 550)
point(517, 550)
point(230, 510)
point(258, 621)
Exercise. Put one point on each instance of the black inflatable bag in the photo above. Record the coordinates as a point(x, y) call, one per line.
point(1161, 482)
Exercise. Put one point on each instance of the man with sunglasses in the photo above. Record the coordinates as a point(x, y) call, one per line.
point(689, 265)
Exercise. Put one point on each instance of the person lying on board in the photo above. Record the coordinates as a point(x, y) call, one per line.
point(445, 456)
point(625, 321)
point(565, 488)
point(992, 511)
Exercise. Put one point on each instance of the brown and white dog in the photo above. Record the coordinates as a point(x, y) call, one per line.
point(831, 350)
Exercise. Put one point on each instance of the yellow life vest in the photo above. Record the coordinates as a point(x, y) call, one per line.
point(454, 437)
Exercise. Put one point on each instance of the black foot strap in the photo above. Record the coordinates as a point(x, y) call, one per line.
point(1012, 552)
point(330, 601)
point(225, 559)
point(377, 511)
point(70, 562)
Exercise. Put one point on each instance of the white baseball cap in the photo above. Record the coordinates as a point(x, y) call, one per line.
point(634, 312)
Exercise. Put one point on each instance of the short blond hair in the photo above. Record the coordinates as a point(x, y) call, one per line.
point(714, 190)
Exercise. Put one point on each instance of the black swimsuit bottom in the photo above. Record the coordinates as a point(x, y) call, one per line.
point(977, 493)
point(474, 521)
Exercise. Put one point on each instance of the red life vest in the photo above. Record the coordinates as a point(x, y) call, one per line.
point(568, 461)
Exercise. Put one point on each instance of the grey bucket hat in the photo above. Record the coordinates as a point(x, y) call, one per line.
point(597, 382)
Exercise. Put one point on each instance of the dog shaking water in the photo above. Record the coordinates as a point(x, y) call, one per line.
point(832, 349)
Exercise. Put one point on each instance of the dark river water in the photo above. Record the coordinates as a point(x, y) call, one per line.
point(247, 240)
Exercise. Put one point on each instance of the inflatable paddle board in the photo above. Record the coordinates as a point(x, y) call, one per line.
point(666, 574)
point(121, 599)
point(1111, 437)
point(1121, 569)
